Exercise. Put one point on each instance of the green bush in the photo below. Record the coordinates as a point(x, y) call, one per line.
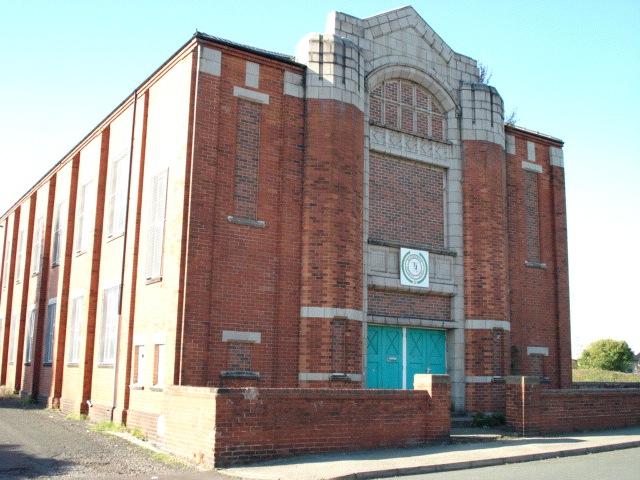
point(488, 420)
point(612, 355)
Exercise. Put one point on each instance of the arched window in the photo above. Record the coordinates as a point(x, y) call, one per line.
point(406, 106)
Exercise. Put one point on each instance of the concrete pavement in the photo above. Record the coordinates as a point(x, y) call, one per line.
point(468, 451)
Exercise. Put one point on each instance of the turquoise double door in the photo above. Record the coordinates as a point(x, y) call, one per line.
point(396, 354)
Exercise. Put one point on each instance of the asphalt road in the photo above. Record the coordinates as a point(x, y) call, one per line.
point(38, 443)
point(617, 465)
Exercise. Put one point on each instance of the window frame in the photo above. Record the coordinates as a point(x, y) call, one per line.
point(38, 245)
point(156, 227)
point(434, 109)
point(56, 250)
point(117, 195)
point(20, 255)
point(49, 332)
point(139, 367)
point(13, 338)
point(77, 306)
point(83, 217)
point(7, 263)
point(30, 335)
point(109, 327)
point(159, 351)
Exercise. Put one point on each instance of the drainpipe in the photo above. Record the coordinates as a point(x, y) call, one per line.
point(124, 256)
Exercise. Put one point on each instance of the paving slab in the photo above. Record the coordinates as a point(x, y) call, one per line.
point(464, 453)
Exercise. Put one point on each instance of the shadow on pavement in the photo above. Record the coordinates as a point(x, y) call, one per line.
point(16, 464)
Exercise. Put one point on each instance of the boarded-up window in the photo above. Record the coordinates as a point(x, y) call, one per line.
point(158, 370)
point(7, 260)
point(117, 196)
point(57, 235)
point(20, 255)
point(247, 159)
point(31, 326)
point(83, 218)
point(532, 218)
point(49, 331)
point(138, 366)
point(12, 337)
point(76, 324)
point(108, 343)
point(36, 260)
point(155, 229)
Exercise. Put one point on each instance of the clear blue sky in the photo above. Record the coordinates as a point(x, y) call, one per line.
point(570, 68)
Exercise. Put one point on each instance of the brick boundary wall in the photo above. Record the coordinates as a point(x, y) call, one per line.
point(230, 426)
point(533, 410)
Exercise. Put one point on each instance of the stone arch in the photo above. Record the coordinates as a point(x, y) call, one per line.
point(422, 78)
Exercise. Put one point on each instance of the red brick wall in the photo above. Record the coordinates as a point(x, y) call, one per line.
point(487, 352)
point(332, 232)
point(485, 237)
point(330, 345)
point(243, 277)
point(406, 201)
point(222, 427)
point(485, 271)
point(333, 206)
point(411, 305)
point(539, 302)
point(552, 411)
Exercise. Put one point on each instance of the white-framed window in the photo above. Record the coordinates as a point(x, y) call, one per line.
point(84, 217)
point(138, 371)
point(117, 195)
point(12, 337)
point(49, 331)
point(36, 260)
point(155, 229)
point(31, 326)
point(158, 371)
point(108, 343)
point(57, 234)
point(7, 264)
point(20, 256)
point(75, 329)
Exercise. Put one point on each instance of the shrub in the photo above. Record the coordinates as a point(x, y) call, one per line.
point(607, 354)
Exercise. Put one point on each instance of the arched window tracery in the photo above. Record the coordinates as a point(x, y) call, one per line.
point(406, 106)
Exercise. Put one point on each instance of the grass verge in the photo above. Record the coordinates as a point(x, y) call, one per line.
point(595, 375)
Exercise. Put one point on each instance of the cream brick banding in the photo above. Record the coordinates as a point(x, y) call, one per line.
point(556, 157)
point(510, 144)
point(531, 167)
point(251, 96)
point(210, 61)
point(324, 377)
point(538, 351)
point(293, 84)
point(328, 312)
point(252, 75)
point(531, 151)
point(243, 337)
point(487, 324)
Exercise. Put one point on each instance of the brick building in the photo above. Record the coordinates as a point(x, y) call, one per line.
point(344, 218)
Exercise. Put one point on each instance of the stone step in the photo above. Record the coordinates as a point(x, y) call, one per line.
point(461, 421)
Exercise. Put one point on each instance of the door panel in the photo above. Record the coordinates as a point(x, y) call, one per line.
point(416, 354)
point(437, 352)
point(425, 352)
point(384, 357)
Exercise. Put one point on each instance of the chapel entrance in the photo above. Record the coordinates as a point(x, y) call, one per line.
point(396, 354)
